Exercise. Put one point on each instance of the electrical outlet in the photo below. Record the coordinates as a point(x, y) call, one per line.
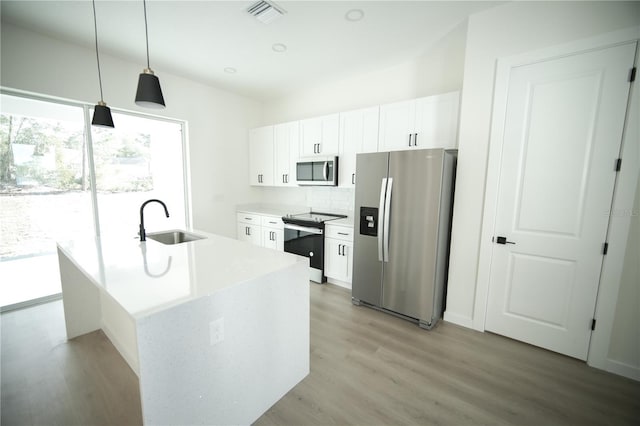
point(216, 331)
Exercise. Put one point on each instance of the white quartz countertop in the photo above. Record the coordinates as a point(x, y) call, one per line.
point(147, 277)
point(347, 221)
point(283, 210)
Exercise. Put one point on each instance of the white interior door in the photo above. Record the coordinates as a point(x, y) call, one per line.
point(563, 127)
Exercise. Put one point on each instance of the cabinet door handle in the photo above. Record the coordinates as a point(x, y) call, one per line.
point(410, 138)
point(287, 179)
point(353, 178)
point(343, 233)
point(319, 148)
point(339, 245)
point(415, 139)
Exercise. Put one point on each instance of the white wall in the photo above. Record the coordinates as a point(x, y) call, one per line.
point(438, 70)
point(217, 120)
point(625, 337)
point(500, 32)
point(508, 30)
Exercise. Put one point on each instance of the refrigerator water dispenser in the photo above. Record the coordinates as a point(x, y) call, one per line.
point(369, 221)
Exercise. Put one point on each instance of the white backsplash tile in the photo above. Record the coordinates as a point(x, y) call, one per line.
point(330, 199)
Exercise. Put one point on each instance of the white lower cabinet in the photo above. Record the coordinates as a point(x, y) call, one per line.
point(249, 228)
point(338, 253)
point(265, 231)
point(273, 233)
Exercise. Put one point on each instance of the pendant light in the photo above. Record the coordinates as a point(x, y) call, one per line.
point(149, 93)
point(101, 112)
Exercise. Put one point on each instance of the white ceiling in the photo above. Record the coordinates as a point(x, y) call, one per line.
point(199, 39)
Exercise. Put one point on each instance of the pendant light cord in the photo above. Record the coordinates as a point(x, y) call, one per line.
point(146, 30)
point(95, 26)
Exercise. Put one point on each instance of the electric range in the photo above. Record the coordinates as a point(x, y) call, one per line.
point(304, 236)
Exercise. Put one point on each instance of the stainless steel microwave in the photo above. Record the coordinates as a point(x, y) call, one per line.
point(317, 171)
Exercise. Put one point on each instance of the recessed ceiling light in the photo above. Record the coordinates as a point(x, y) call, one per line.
point(354, 15)
point(230, 70)
point(279, 47)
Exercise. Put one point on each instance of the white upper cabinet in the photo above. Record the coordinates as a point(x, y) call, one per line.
point(430, 122)
point(437, 121)
point(261, 156)
point(397, 122)
point(320, 136)
point(358, 133)
point(286, 142)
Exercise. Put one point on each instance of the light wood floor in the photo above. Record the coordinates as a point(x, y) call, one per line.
point(366, 368)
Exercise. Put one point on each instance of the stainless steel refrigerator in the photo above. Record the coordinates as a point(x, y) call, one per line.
point(403, 203)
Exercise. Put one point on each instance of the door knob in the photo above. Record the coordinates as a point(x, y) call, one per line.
point(502, 240)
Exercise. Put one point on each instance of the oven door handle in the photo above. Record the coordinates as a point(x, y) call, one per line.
point(303, 229)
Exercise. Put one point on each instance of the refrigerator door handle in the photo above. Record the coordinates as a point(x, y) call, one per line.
point(383, 189)
point(387, 216)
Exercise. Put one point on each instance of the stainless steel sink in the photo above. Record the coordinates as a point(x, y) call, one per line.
point(174, 237)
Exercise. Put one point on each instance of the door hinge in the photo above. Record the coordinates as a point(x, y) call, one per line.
point(618, 164)
point(605, 248)
point(593, 324)
point(632, 75)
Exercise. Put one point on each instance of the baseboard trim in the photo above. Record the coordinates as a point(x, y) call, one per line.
point(32, 302)
point(459, 320)
point(339, 283)
point(621, 368)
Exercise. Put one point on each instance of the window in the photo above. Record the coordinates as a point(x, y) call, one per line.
point(46, 191)
point(138, 160)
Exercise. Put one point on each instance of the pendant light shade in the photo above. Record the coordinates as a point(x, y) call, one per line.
point(101, 112)
point(102, 115)
point(149, 93)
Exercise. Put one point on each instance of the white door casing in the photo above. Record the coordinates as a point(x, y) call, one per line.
point(561, 137)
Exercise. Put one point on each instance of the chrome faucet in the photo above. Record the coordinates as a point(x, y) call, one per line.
point(143, 234)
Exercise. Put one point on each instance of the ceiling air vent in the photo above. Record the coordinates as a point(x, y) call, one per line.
point(265, 11)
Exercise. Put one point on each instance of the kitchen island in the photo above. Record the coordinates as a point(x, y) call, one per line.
point(217, 330)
